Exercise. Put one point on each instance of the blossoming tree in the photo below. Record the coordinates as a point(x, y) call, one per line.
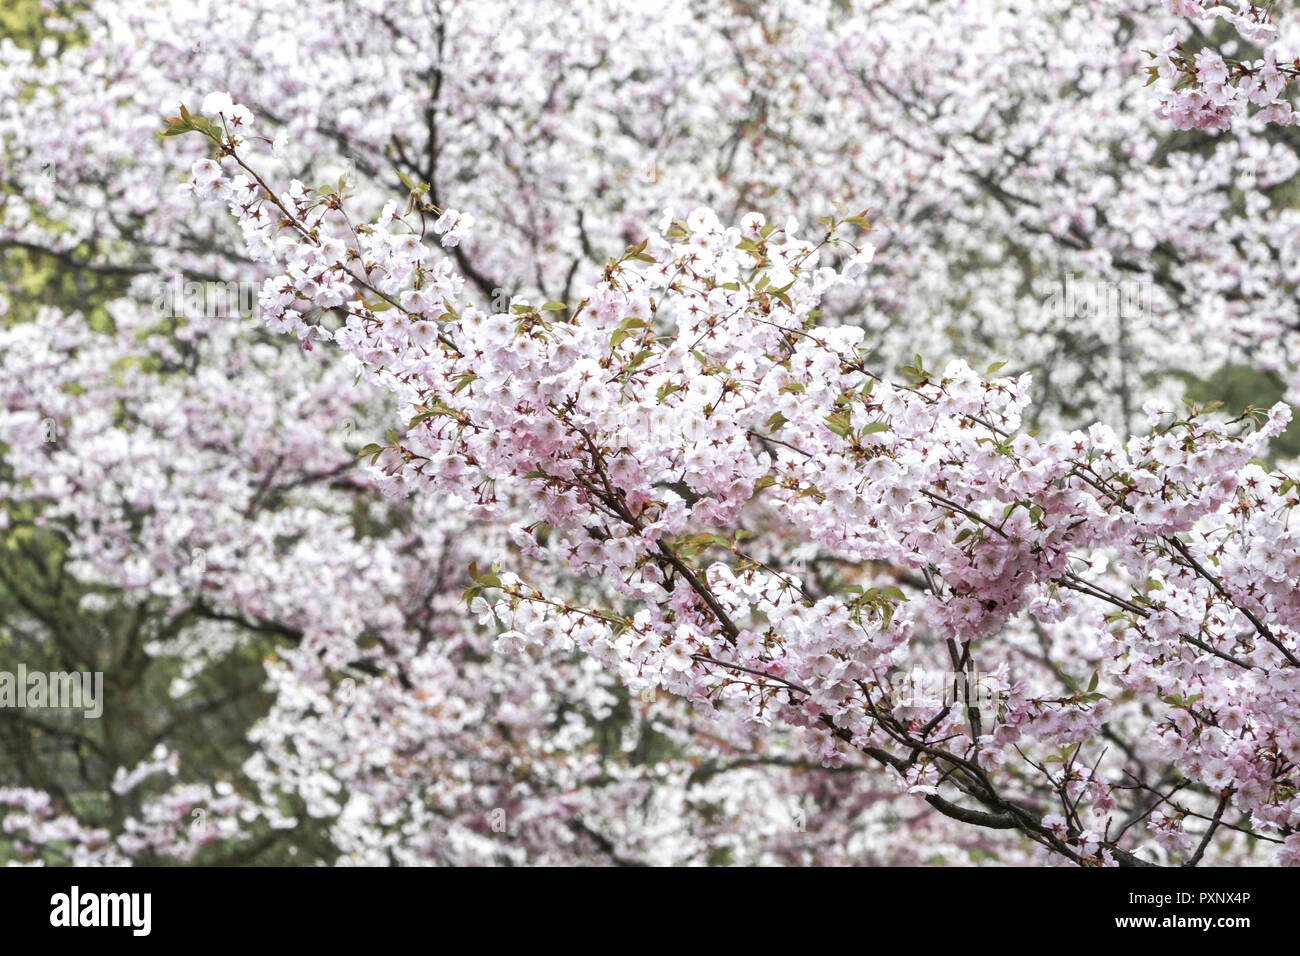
point(701, 488)
point(691, 401)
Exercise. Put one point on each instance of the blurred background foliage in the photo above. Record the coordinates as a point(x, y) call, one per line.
point(49, 622)
point(20, 20)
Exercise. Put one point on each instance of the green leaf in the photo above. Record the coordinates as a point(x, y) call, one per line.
point(667, 388)
point(835, 424)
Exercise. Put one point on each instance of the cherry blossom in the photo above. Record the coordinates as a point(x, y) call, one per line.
point(719, 374)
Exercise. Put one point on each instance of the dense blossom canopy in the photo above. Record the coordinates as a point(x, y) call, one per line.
point(759, 364)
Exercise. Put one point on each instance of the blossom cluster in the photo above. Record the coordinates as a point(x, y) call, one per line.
point(1207, 91)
